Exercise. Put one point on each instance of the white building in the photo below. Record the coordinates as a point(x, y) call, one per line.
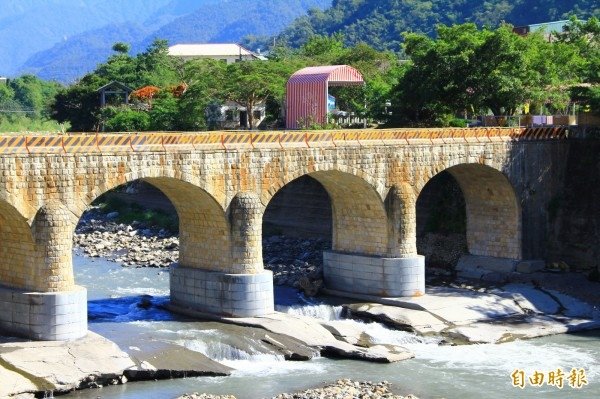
point(226, 52)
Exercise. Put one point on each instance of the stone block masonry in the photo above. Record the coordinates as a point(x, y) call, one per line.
point(371, 275)
point(228, 295)
point(221, 183)
point(45, 316)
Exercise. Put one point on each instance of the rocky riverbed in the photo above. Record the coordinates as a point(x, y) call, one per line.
point(295, 262)
point(341, 389)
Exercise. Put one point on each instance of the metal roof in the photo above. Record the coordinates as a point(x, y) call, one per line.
point(307, 91)
point(332, 74)
point(210, 50)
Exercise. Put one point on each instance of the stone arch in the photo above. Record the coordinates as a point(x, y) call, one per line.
point(84, 199)
point(359, 217)
point(16, 248)
point(204, 232)
point(492, 208)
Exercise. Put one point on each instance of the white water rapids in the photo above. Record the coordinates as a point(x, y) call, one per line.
point(465, 372)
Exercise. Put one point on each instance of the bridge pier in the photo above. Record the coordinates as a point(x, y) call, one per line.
point(400, 272)
point(374, 275)
point(46, 305)
point(246, 289)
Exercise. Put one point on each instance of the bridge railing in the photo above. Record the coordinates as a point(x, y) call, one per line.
point(73, 143)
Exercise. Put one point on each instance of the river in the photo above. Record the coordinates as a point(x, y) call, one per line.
point(465, 372)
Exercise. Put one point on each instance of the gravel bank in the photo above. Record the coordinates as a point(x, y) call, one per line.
point(341, 389)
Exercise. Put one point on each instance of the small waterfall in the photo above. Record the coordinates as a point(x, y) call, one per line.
point(217, 350)
point(316, 311)
point(381, 334)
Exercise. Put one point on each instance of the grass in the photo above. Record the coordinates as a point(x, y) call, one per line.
point(21, 124)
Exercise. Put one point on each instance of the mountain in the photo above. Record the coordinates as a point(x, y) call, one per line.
point(381, 23)
point(67, 57)
point(30, 26)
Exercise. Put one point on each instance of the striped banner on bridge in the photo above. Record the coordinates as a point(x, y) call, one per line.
point(293, 139)
point(114, 143)
point(208, 141)
point(157, 142)
point(13, 144)
point(145, 142)
point(45, 145)
point(235, 140)
point(173, 142)
point(319, 139)
point(81, 143)
point(266, 140)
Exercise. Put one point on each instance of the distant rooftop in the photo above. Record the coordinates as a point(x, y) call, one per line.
point(211, 50)
point(546, 27)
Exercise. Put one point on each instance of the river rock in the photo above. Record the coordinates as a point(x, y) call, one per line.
point(311, 333)
point(92, 361)
point(351, 332)
point(345, 388)
point(418, 321)
point(523, 327)
point(165, 361)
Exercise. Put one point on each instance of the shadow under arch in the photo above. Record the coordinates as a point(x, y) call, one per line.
point(359, 221)
point(493, 213)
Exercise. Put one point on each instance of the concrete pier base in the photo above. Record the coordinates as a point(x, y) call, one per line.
point(44, 316)
point(371, 275)
point(215, 293)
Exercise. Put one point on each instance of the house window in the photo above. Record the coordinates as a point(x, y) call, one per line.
point(257, 115)
point(229, 115)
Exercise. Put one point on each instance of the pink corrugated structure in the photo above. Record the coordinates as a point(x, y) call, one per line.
point(308, 89)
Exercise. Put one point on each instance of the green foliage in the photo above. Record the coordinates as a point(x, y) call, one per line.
point(24, 104)
point(125, 119)
point(121, 47)
point(252, 83)
point(471, 70)
point(381, 23)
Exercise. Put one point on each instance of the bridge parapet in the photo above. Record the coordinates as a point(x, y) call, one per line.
point(74, 143)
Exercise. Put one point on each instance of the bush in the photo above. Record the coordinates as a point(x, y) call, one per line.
point(128, 120)
point(458, 122)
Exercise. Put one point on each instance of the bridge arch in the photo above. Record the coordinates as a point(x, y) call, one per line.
point(493, 213)
point(16, 248)
point(359, 220)
point(204, 231)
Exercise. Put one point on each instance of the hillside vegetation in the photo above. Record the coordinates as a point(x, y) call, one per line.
point(380, 23)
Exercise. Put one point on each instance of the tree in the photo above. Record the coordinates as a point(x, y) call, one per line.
point(252, 83)
point(471, 70)
point(585, 36)
point(121, 47)
point(205, 80)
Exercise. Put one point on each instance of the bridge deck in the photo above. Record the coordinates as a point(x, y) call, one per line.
point(58, 143)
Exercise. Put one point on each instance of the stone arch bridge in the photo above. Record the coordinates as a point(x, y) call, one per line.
point(220, 185)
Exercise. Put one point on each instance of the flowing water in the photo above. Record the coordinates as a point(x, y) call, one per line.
point(465, 372)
